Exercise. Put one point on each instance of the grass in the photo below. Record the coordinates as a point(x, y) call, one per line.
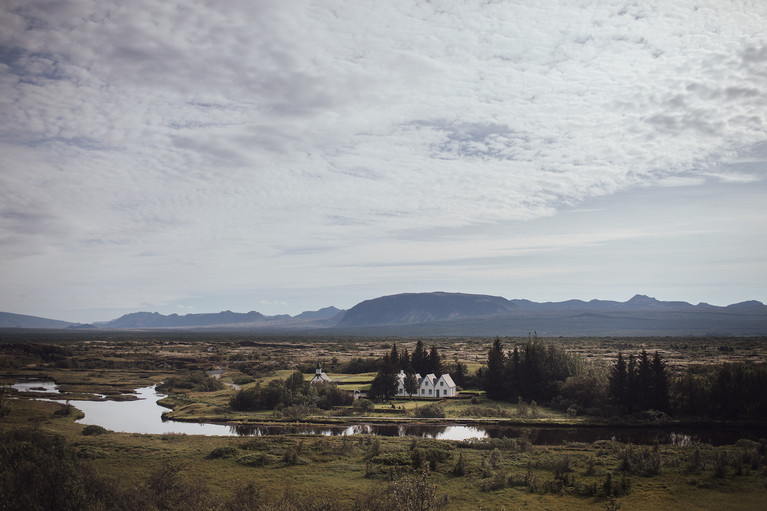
point(347, 466)
point(519, 476)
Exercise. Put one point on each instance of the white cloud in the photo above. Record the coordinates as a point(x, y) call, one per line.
point(221, 138)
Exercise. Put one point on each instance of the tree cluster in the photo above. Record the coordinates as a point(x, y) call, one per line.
point(639, 383)
point(422, 362)
point(728, 391)
point(384, 385)
point(293, 391)
point(535, 372)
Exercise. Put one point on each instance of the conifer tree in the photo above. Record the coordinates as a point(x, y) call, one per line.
point(659, 384)
point(435, 362)
point(419, 359)
point(496, 371)
point(619, 382)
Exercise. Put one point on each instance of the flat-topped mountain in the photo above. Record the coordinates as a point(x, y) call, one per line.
point(409, 308)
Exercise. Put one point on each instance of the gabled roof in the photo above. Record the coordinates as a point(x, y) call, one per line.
point(432, 379)
point(448, 380)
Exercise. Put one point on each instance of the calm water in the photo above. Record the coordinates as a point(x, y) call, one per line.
point(144, 415)
point(45, 386)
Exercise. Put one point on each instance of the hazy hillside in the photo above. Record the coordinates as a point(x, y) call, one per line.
point(409, 308)
point(9, 320)
point(460, 314)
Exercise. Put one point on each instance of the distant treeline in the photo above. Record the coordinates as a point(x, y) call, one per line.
point(634, 384)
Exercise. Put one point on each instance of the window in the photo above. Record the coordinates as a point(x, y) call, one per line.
point(441, 384)
point(430, 392)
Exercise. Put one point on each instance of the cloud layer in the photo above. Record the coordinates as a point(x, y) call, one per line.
point(259, 142)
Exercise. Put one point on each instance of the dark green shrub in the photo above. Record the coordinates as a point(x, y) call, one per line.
point(223, 452)
point(94, 430)
point(430, 411)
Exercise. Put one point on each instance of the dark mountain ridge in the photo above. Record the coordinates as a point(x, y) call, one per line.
point(410, 308)
point(461, 314)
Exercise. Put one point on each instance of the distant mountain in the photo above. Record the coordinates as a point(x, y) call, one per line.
point(225, 319)
point(456, 314)
point(410, 308)
point(157, 320)
point(325, 313)
point(460, 314)
point(9, 320)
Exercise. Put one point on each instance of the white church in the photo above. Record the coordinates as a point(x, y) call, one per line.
point(428, 386)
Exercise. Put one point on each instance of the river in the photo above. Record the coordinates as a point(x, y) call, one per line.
point(144, 415)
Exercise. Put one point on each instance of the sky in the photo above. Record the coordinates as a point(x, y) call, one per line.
point(282, 156)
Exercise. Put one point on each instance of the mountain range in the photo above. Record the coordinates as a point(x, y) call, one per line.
point(459, 314)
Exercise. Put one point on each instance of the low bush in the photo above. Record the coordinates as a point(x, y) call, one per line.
point(223, 452)
point(94, 430)
point(430, 411)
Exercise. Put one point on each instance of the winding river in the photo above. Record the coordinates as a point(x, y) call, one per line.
point(144, 416)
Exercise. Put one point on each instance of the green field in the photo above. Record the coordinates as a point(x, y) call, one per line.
point(46, 453)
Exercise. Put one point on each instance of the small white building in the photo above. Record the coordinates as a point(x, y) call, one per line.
point(319, 376)
point(429, 386)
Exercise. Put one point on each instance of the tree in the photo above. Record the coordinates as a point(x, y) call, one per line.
point(659, 384)
point(419, 359)
point(496, 369)
point(404, 361)
point(631, 383)
point(435, 362)
point(384, 385)
point(643, 391)
point(619, 382)
point(394, 357)
point(411, 384)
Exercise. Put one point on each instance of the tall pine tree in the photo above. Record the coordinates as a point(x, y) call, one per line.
point(496, 371)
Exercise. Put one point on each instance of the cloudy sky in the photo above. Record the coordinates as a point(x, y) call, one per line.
point(281, 156)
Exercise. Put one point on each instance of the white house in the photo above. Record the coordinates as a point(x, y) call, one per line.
point(429, 386)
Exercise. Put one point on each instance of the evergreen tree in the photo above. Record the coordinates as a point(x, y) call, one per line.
point(458, 372)
point(394, 357)
point(384, 385)
point(619, 382)
point(404, 361)
point(411, 384)
point(643, 390)
point(496, 371)
point(419, 359)
point(631, 384)
point(659, 386)
point(435, 362)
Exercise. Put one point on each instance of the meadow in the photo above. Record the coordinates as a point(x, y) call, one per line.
point(308, 472)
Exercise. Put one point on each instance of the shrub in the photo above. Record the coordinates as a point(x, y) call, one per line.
point(94, 430)
point(363, 405)
point(223, 452)
point(430, 411)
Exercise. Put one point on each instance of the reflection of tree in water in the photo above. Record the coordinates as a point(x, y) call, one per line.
point(424, 431)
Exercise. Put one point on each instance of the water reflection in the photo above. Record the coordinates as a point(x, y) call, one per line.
point(144, 415)
point(43, 386)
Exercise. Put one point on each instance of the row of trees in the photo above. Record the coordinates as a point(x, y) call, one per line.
point(535, 372)
point(728, 391)
point(639, 383)
point(634, 383)
point(384, 385)
point(421, 361)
